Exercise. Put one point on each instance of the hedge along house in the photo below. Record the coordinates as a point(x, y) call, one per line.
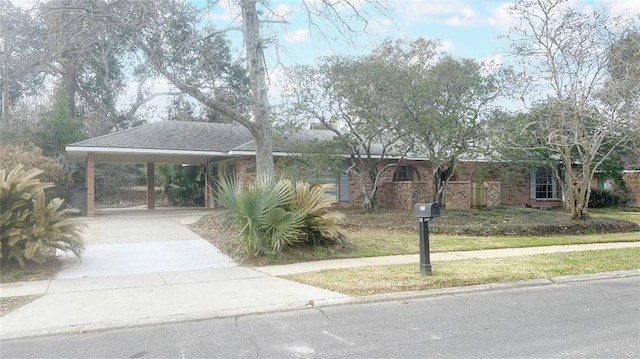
point(227, 150)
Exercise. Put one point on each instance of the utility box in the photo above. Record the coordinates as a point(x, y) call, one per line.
point(79, 200)
point(426, 210)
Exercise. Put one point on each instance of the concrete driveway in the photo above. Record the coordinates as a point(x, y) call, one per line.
point(137, 240)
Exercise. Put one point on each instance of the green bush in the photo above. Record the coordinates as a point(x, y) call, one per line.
point(607, 199)
point(182, 185)
point(320, 226)
point(30, 227)
point(272, 215)
point(54, 170)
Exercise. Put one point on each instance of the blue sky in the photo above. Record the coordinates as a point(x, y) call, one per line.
point(465, 28)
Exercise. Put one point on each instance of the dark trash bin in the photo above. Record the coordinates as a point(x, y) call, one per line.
point(79, 200)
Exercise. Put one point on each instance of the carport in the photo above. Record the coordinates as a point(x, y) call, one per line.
point(174, 142)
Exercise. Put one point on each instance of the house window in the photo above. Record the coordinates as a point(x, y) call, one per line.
point(230, 171)
point(543, 186)
point(405, 173)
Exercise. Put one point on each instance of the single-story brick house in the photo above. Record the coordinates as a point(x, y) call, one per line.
point(223, 149)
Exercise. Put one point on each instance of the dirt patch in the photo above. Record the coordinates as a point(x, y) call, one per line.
point(7, 305)
point(32, 272)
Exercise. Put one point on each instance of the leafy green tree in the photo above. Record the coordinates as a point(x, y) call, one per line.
point(58, 128)
point(450, 102)
point(360, 100)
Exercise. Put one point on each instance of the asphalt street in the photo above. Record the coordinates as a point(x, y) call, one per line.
point(592, 319)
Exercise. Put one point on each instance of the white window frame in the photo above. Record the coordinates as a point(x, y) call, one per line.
point(533, 184)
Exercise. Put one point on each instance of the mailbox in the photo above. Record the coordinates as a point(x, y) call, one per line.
point(426, 210)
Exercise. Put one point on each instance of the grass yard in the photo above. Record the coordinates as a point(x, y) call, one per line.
point(400, 278)
point(630, 214)
point(373, 244)
point(393, 232)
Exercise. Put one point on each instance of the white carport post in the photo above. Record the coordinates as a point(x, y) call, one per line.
point(151, 186)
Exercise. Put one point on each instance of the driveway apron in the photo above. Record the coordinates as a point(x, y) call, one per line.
point(137, 241)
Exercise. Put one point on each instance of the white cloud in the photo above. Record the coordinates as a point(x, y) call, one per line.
point(501, 17)
point(446, 45)
point(381, 26)
point(452, 12)
point(26, 4)
point(466, 17)
point(626, 8)
point(492, 63)
point(283, 12)
point(297, 36)
point(225, 11)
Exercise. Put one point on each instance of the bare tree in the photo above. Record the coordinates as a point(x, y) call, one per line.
point(21, 44)
point(583, 112)
point(180, 45)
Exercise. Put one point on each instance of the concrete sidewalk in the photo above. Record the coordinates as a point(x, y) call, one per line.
point(76, 305)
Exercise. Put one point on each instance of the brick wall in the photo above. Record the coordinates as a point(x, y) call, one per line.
point(458, 195)
point(492, 193)
point(389, 190)
point(245, 169)
point(90, 178)
point(403, 195)
point(632, 182)
point(518, 191)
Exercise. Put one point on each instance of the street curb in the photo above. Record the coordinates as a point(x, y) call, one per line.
point(318, 305)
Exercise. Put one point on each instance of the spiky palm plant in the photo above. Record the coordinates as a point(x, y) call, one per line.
point(29, 226)
point(320, 225)
point(259, 211)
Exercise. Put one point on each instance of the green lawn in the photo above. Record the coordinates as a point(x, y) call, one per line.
point(394, 232)
point(373, 244)
point(631, 215)
point(400, 278)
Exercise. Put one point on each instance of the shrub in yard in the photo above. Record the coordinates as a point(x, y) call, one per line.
point(30, 226)
point(605, 199)
point(272, 215)
point(183, 185)
point(55, 170)
point(258, 210)
point(320, 225)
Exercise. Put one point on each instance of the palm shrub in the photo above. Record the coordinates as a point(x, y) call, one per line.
point(259, 210)
point(183, 185)
point(320, 225)
point(272, 215)
point(30, 227)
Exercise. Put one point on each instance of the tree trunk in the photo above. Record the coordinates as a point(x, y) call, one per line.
point(262, 127)
point(5, 69)
point(441, 177)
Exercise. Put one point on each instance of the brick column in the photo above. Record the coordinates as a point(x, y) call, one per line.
point(206, 185)
point(151, 186)
point(493, 193)
point(90, 183)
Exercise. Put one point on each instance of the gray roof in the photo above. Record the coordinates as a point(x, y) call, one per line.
point(184, 142)
point(174, 135)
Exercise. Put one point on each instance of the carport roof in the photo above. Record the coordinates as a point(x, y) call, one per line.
point(182, 142)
